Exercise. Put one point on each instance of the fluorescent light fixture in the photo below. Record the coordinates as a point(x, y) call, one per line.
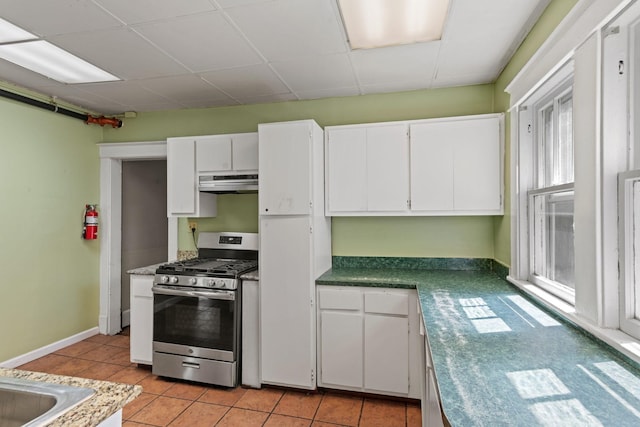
point(379, 23)
point(12, 33)
point(44, 58)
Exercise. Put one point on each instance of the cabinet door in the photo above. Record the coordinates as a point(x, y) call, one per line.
point(434, 414)
point(141, 328)
point(244, 151)
point(181, 177)
point(386, 353)
point(432, 163)
point(285, 163)
point(346, 170)
point(213, 153)
point(250, 335)
point(287, 314)
point(477, 165)
point(456, 166)
point(341, 338)
point(387, 169)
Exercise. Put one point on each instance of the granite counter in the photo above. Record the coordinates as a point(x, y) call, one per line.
point(149, 270)
point(502, 360)
point(109, 397)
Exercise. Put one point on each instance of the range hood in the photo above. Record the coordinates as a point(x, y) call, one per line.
point(228, 184)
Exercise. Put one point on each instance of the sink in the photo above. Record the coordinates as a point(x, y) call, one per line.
point(33, 403)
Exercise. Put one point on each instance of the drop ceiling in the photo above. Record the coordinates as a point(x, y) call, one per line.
point(173, 54)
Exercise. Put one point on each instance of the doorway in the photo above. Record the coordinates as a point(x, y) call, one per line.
point(112, 156)
point(144, 221)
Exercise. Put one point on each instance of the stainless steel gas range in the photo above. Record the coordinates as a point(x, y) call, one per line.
point(197, 310)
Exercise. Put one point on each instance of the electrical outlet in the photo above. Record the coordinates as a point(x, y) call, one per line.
point(193, 226)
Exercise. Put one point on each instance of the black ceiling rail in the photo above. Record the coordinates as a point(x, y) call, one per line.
point(116, 123)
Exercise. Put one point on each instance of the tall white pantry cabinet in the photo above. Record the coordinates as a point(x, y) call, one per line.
point(295, 249)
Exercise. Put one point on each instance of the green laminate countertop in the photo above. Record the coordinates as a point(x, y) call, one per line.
point(501, 360)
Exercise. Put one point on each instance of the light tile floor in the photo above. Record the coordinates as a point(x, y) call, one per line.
point(166, 402)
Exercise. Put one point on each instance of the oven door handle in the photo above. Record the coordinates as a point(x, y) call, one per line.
point(213, 294)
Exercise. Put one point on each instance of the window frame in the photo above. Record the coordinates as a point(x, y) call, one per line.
point(558, 289)
point(541, 148)
point(629, 268)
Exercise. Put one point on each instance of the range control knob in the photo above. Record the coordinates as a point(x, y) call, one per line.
point(193, 281)
point(210, 283)
point(222, 284)
point(164, 279)
point(173, 279)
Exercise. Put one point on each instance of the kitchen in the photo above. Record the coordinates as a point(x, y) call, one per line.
point(72, 166)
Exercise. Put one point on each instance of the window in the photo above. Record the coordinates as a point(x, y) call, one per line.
point(629, 196)
point(550, 201)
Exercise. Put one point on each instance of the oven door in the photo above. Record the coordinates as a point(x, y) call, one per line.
point(196, 323)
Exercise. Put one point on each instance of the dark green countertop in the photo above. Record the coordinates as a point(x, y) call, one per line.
point(501, 360)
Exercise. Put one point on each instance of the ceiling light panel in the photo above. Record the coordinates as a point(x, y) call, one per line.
point(12, 33)
point(49, 60)
point(378, 23)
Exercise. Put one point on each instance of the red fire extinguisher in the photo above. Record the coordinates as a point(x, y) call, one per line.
point(90, 229)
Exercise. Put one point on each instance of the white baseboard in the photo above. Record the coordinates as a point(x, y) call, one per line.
point(48, 349)
point(126, 318)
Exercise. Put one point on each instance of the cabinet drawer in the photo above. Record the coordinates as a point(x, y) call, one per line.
point(141, 285)
point(340, 299)
point(386, 303)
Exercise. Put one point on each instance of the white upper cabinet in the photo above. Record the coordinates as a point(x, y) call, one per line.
point(183, 197)
point(456, 166)
point(450, 166)
point(367, 168)
point(346, 169)
point(285, 162)
point(226, 153)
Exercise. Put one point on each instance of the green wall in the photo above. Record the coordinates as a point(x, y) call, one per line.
point(50, 276)
point(551, 17)
point(417, 237)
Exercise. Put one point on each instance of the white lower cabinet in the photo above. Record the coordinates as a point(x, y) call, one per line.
point(430, 399)
point(250, 334)
point(341, 354)
point(141, 329)
point(369, 340)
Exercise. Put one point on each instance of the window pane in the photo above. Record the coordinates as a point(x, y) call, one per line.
point(545, 157)
point(553, 257)
point(555, 143)
point(563, 162)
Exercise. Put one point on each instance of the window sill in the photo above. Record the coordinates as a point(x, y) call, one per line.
point(617, 339)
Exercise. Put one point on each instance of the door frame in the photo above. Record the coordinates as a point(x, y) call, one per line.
point(111, 157)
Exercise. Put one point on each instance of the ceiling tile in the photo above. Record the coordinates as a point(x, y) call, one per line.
point(458, 58)
point(184, 89)
point(17, 75)
point(328, 93)
point(241, 83)
point(317, 72)
point(390, 65)
point(308, 27)
point(135, 12)
point(201, 42)
point(155, 106)
point(236, 3)
point(46, 17)
point(121, 52)
point(280, 97)
point(399, 86)
point(127, 93)
point(212, 103)
point(463, 80)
